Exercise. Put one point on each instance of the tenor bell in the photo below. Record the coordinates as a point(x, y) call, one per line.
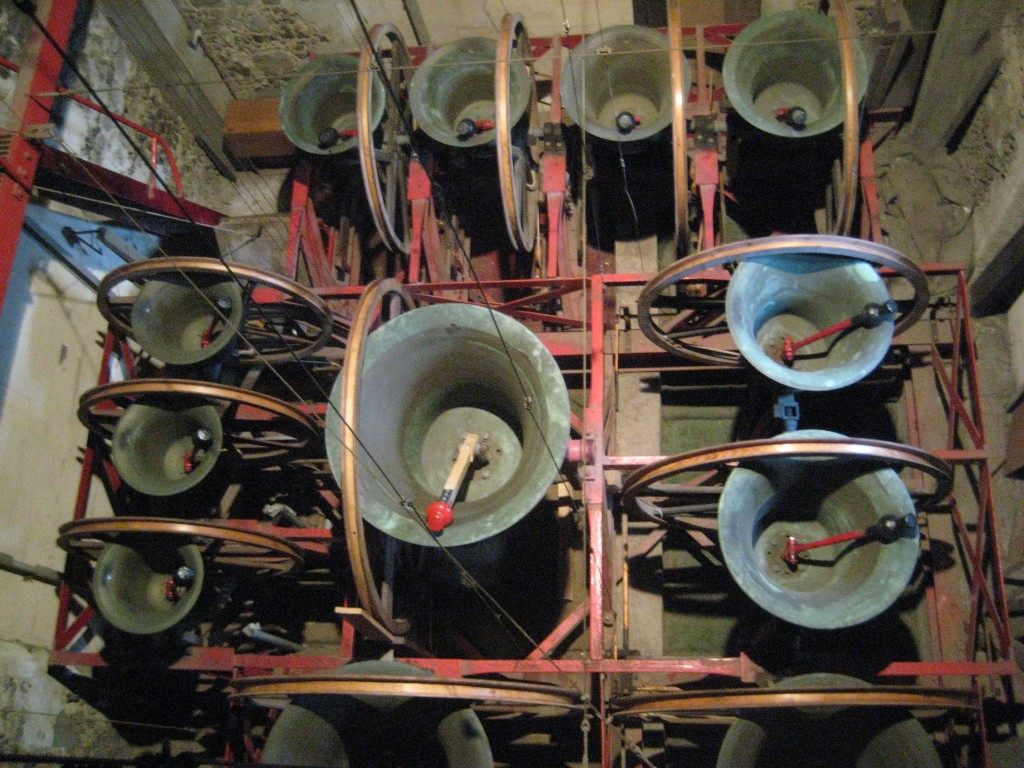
point(343, 730)
point(794, 296)
point(318, 105)
point(842, 584)
point(430, 377)
point(784, 75)
point(617, 84)
point(452, 93)
point(182, 323)
point(839, 737)
point(161, 448)
point(147, 585)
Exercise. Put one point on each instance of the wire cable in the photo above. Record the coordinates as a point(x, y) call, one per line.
point(618, 141)
point(393, 491)
point(443, 210)
point(495, 605)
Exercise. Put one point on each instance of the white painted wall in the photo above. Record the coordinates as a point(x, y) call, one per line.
point(48, 357)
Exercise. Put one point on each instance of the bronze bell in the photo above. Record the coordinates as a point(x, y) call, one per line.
point(851, 737)
point(430, 377)
point(617, 84)
point(146, 585)
point(342, 730)
point(185, 324)
point(785, 300)
point(768, 502)
point(784, 75)
point(318, 105)
point(161, 448)
point(452, 94)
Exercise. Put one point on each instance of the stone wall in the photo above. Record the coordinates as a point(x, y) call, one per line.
point(258, 45)
point(957, 198)
point(127, 90)
point(996, 134)
point(38, 715)
point(13, 30)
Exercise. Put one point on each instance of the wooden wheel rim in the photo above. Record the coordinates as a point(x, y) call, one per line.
point(355, 536)
point(715, 701)
point(309, 307)
point(851, 120)
point(296, 426)
point(388, 200)
point(227, 546)
point(880, 451)
point(520, 208)
point(680, 92)
point(735, 253)
point(497, 691)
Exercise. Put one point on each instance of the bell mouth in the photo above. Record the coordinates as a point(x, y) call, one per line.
point(318, 105)
point(795, 296)
point(432, 376)
point(787, 64)
point(838, 585)
point(180, 323)
point(454, 87)
point(617, 84)
point(163, 451)
point(148, 587)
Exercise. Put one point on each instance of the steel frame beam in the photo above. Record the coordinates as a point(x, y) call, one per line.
point(40, 74)
point(952, 364)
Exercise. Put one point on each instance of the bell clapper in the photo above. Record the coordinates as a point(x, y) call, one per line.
point(330, 136)
point(794, 117)
point(210, 333)
point(872, 316)
point(201, 442)
point(467, 128)
point(625, 122)
point(473, 450)
point(887, 530)
point(223, 305)
point(327, 138)
point(178, 584)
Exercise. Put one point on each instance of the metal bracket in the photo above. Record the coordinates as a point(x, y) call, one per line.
point(40, 131)
point(705, 134)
